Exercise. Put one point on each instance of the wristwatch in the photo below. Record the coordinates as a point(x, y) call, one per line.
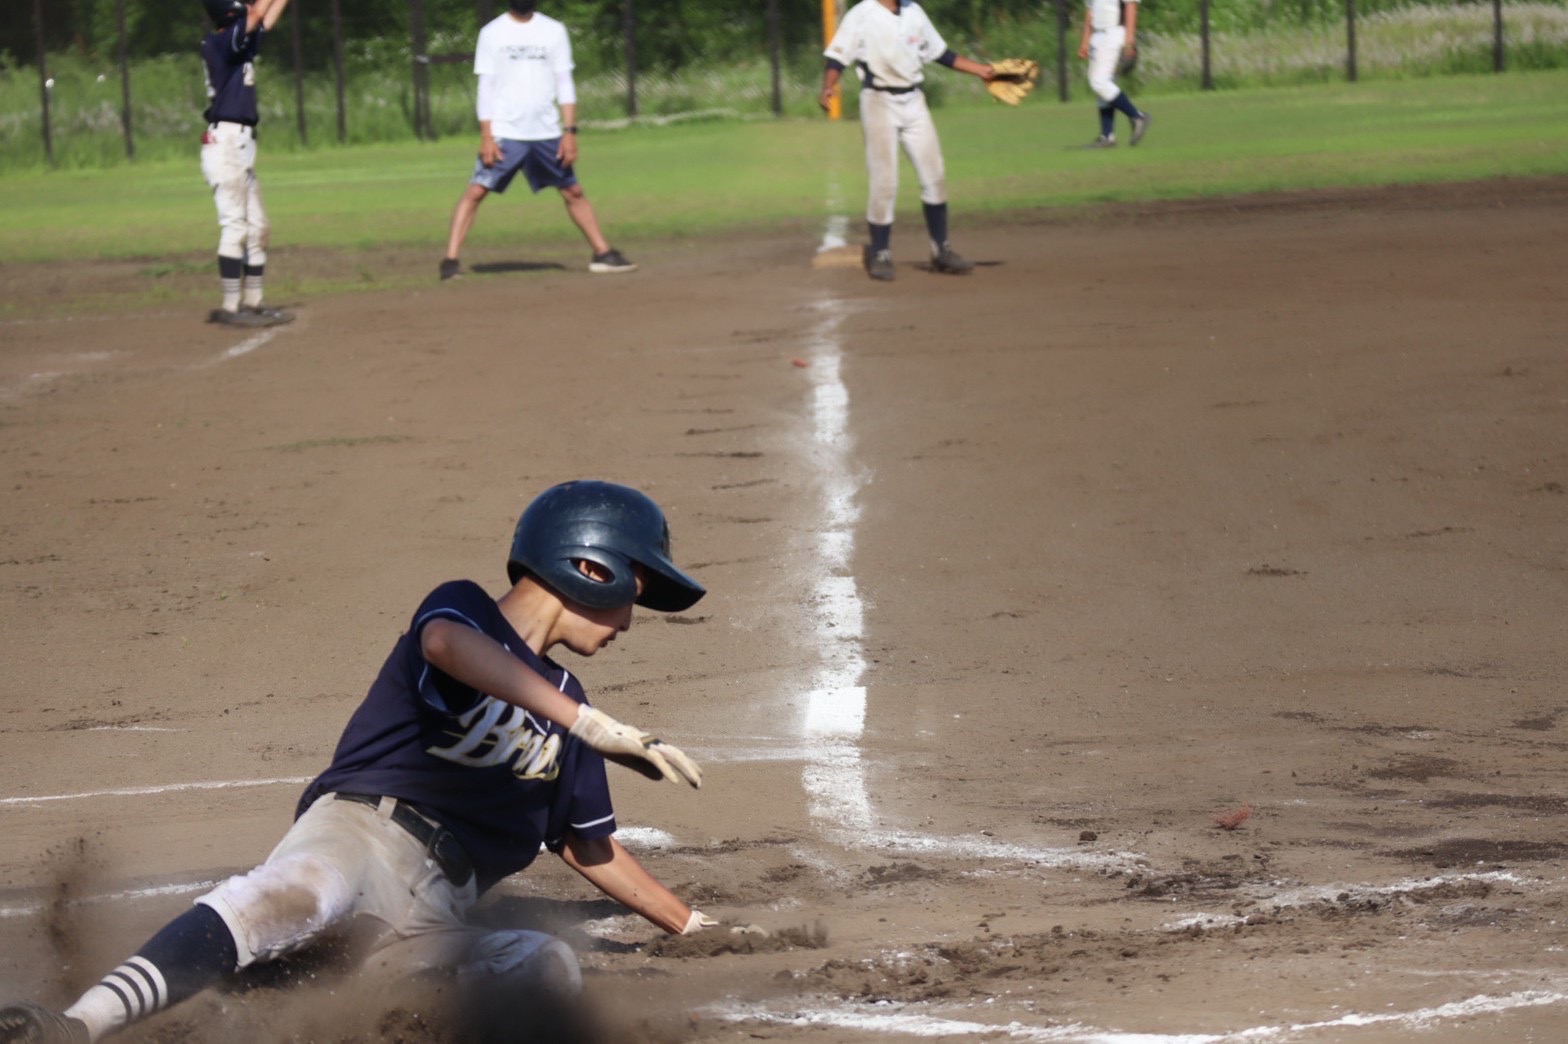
point(569, 130)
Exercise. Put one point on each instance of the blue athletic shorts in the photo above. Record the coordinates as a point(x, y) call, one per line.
point(537, 161)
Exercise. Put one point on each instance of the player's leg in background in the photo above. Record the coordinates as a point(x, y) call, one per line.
point(1104, 48)
point(462, 220)
point(225, 168)
point(917, 133)
point(880, 129)
point(258, 234)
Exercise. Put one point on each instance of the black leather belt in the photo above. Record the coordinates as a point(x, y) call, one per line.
point(892, 90)
point(440, 844)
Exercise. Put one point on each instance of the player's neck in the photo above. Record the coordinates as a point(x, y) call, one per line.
point(533, 613)
point(514, 16)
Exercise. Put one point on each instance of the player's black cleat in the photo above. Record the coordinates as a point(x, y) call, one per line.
point(1140, 127)
point(272, 316)
point(28, 1023)
point(950, 262)
point(451, 268)
point(610, 261)
point(879, 264)
point(241, 318)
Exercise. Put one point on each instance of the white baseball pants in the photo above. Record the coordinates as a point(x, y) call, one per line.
point(228, 163)
point(342, 862)
point(888, 121)
point(1105, 50)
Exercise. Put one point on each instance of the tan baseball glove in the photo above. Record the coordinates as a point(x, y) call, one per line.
point(1012, 79)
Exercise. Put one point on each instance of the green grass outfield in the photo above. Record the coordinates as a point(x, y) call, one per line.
point(652, 183)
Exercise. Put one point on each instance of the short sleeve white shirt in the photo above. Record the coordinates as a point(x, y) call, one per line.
point(892, 48)
point(526, 59)
point(1106, 14)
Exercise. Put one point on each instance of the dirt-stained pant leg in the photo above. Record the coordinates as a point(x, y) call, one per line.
point(228, 164)
point(340, 860)
point(1105, 49)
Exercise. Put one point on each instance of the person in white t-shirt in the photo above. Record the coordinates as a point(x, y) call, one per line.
point(524, 64)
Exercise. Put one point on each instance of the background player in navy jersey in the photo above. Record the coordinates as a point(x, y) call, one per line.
point(228, 156)
point(471, 750)
point(524, 63)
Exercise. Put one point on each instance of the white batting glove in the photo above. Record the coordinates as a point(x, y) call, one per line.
point(697, 922)
point(634, 748)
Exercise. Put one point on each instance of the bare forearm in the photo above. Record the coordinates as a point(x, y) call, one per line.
point(973, 68)
point(617, 873)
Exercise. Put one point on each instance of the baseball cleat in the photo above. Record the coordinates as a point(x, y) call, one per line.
point(951, 262)
point(610, 261)
point(273, 316)
point(1140, 127)
point(242, 318)
point(451, 268)
point(879, 264)
point(1104, 141)
point(28, 1023)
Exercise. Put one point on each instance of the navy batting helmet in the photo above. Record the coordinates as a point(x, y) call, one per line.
point(611, 526)
point(222, 12)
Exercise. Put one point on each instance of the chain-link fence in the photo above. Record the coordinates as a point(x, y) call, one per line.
point(91, 82)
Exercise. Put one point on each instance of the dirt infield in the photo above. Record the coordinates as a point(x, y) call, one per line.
point(1159, 631)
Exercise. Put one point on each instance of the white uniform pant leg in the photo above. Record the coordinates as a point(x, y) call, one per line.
point(879, 125)
point(228, 164)
point(340, 860)
point(1105, 49)
point(917, 132)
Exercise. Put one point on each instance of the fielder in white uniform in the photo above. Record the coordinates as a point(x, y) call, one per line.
point(524, 63)
point(889, 43)
point(1110, 32)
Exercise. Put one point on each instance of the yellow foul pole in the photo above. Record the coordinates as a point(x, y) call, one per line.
point(829, 27)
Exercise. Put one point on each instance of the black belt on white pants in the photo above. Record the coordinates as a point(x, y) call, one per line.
point(439, 843)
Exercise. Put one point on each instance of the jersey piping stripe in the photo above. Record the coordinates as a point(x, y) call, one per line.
point(593, 822)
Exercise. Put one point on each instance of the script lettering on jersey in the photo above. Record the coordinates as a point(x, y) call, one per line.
point(494, 733)
point(526, 53)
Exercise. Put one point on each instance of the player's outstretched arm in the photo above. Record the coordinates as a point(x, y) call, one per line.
point(264, 13)
point(973, 68)
point(483, 664)
point(617, 873)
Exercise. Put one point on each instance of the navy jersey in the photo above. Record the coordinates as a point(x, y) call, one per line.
point(229, 55)
point(503, 781)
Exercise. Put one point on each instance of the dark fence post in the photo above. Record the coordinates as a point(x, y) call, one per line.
point(337, 68)
point(486, 10)
point(773, 56)
point(1497, 35)
point(1207, 79)
point(43, 79)
point(299, 77)
point(125, 82)
point(629, 32)
point(1350, 40)
point(1062, 28)
point(416, 32)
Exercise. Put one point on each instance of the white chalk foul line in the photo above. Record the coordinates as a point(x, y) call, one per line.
point(33, 909)
point(910, 1021)
point(169, 788)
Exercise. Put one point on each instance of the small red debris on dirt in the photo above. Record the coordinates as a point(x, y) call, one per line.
point(799, 362)
point(1234, 818)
